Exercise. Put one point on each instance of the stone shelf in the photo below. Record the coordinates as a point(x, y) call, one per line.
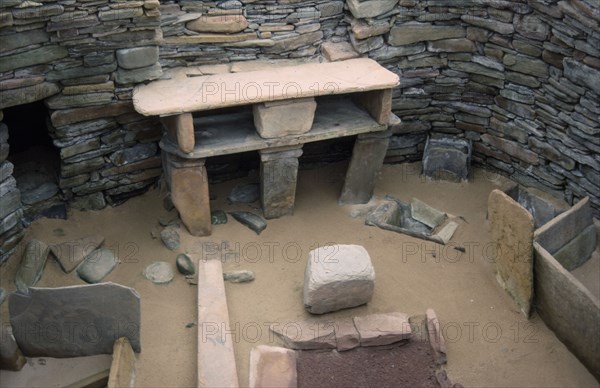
point(232, 133)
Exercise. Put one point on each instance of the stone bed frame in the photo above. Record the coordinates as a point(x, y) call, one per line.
point(189, 141)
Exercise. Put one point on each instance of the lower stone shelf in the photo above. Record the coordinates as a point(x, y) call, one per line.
point(231, 133)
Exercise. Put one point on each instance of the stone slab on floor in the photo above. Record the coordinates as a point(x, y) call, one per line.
point(512, 230)
point(306, 335)
point(346, 335)
point(382, 329)
point(32, 264)
point(272, 366)
point(75, 321)
point(216, 359)
point(70, 254)
point(338, 277)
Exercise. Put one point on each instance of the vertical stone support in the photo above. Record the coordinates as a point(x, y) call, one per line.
point(189, 192)
point(367, 159)
point(278, 177)
point(180, 128)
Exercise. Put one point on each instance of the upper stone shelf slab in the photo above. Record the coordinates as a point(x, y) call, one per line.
point(190, 94)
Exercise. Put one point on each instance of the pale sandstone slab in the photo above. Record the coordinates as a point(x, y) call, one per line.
point(71, 253)
point(216, 359)
point(306, 335)
point(122, 368)
point(512, 233)
point(346, 335)
point(338, 277)
point(220, 24)
point(164, 97)
point(382, 329)
point(338, 51)
point(272, 366)
point(84, 320)
point(284, 118)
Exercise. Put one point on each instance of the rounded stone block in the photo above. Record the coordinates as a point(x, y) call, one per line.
point(284, 118)
point(338, 277)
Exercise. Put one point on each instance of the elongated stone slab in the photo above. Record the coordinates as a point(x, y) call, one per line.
point(382, 329)
point(216, 359)
point(75, 321)
point(122, 368)
point(512, 233)
point(32, 264)
point(71, 253)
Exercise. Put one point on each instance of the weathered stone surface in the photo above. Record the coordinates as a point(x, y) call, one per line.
point(97, 265)
point(137, 57)
point(426, 214)
point(436, 338)
point(530, 26)
point(413, 32)
point(80, 71)
point(32, 264)
point(363, 46)
point(512, 232)
point(306, 335)
point(490, 24)
point(240, 276)
point(582, 75)
point(28, 94)
point(284, 118)
point(226, 24)
point(36, 187)
point(122, 368)
point(133, 154)
point(170, 237)
point(71, 253)
point(159, 272)
point(22, 39)
point(185, 265)
point(364, 30)
point(447, 158)
point(69, 116)
point(11, 357)
point(346, 335)
point(279, 173)
point(45, 54)
point(526, 65)
point(295, 42)
point(382, 329)
point(578, 251)
point(85, 320)
point(370, 8)
point(511, 148)
point(272, 366)
point(338, 277)
point(148, 73)
point(62, 101)
point(338, 51)
point(451, 45)
point(251, 220)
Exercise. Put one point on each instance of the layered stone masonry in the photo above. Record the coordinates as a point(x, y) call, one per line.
point(521, 79)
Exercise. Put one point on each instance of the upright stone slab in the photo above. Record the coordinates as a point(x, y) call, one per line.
point(11, 357)
point(284, 118)
point(278, 178)
point(447, 158)
point(189, 192)
point(122, 368)
point(272, 366)
point(75, 321)
point(512, 233)
point(338, 277)
point(367, 159)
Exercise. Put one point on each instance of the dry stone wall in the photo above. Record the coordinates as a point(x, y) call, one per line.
point(521, 79)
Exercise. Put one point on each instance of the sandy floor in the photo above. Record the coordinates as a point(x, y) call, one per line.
point(489, 342)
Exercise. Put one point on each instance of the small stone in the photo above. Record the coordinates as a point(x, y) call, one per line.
point(383, 329)
point(185, 265)
point(338, 51)
point(245, 193)
point(218, 217)
point(242, 276)
point(32, 264)
point(97, 265)
point(159, 272)
point(251, 220)
point(170, 237)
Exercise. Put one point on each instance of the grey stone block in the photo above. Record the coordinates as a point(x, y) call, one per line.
point(75, 321)
point(447, 158)
point(137, 57)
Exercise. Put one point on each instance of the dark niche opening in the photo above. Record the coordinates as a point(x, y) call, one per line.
point(36, 161)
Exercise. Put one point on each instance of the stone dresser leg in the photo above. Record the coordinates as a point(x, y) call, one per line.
point(189, 192)
point(278, 177)
point(367, 159)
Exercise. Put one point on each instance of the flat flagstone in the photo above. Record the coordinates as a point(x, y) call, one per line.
point(32, 264)
point(272, 366)
point(382, 329)
point(75, 321)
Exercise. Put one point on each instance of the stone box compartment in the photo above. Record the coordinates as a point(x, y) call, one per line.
point(447, 158)
point(542, 206)
point(284, 118)
point(567, 306)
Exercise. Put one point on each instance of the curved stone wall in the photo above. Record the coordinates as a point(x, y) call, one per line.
point(521, 79)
